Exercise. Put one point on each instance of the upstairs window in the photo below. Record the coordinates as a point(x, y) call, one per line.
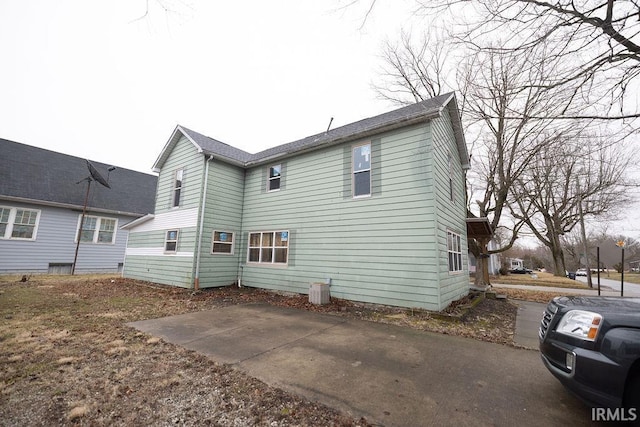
point(362, 170)
point(271, 247)
point(19, 224)
point(222, 243)
point(454, 252)
point(177, 187)
point(98, 230)
point(274, 178)
point(171, 241)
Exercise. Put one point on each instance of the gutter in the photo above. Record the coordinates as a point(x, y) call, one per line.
point(203, 205)
point(68, 206)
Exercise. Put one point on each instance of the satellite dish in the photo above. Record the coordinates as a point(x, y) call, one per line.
point(96, 175)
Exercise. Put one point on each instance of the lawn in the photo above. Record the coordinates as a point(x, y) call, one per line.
point(538, 279)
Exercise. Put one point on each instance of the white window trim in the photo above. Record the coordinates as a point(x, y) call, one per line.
point(233, 242)
point(353, 171)
point(12, 217)
point(175, 188)
point(166, 240)
point(457, 254)
point(96, 232)
point(270, 178)
point(272, 263)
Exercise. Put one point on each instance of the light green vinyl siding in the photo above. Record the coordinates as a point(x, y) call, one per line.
point(223, 213)
point(379, 249)
point(451, 215)
point(169, 269)
point(183, 156)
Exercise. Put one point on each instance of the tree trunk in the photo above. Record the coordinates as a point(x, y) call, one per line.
point(479, 251)
point(557, 253)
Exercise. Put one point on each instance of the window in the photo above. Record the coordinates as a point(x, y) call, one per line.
point(362, 170)
point(274, 178)
point(18, 223)
point(222, 242)
point(454, 252)
point(177, 187)
point(271, 247)
point(97, 229)
point(171, 241)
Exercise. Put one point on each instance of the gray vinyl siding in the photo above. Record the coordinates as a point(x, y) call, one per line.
point(450, 214)
point(55, 243)
point(223, 212)
point(184, 156)
point(378, 249)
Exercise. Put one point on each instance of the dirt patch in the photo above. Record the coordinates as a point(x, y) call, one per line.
point(66, 357)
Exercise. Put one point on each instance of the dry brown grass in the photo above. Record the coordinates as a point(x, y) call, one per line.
point(541, 279)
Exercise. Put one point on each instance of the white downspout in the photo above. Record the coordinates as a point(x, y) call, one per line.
point(196, 283)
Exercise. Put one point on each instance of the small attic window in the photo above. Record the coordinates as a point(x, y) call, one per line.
point(177, 187)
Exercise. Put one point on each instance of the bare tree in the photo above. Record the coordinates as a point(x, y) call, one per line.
point(572, 168)
point(596, 41)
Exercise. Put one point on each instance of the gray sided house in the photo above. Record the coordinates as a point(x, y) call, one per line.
point(376, 208)
point(41, 206)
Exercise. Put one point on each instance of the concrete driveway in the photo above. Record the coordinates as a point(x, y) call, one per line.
point(391, 375)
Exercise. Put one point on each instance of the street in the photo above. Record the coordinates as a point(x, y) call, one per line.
point(630, 289)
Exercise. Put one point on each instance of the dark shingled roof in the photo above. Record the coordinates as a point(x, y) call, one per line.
point(42, 176)
point(421, 111)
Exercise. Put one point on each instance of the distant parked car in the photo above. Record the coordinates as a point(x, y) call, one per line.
point(520, 270)
point(581, 272)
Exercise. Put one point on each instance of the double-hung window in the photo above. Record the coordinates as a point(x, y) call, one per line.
point(97, 229)
point(171, 241)
point(454, 251)
point(275, 173)
point(270, 247)
point(177, 187)
point(362, 170)
point(222, 243)
point(18, 223)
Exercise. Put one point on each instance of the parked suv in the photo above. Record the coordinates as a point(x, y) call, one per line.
point(592, 345)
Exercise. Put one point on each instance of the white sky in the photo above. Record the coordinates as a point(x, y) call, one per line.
point(86, 78)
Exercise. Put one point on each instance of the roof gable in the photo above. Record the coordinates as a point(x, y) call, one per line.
point(405, 116)
point(37, 175)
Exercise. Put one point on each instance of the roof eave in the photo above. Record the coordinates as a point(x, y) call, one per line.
point(166, 150)
point(68, 206)
point(137, 222)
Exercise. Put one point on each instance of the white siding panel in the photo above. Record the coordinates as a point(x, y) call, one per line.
point(156, 252)
point(179, 218)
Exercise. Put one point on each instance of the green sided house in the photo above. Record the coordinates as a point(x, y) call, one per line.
point(375, 208)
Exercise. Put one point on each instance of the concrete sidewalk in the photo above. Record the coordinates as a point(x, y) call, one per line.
point(391, 375)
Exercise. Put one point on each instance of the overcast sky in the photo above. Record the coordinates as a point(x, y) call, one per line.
point(90, 79)
point(99, 80)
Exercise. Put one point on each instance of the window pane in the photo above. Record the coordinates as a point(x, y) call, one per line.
point(362, 183)
point(105, 237)
point(107, 224)
point(224, 248)
point(274, 184)
point(274, 171)
point(89, 223)
point(281, 255)
point(282, 238)
point(254, 255)
point(267, 239)
point(171, 246)
point(3, 229)
point(172, 235)
point(22, 231)
point(362, 158)
point(4, 215)
point(267, 254)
